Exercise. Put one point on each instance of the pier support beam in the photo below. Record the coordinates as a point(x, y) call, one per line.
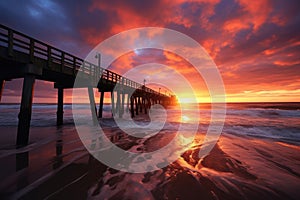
point(93, 105)
point(2, 83)
point(101, 104)
point(132, 106)
point(146, 105)
point(128, 102)
point(25, 110)
point(60, 106)
point(140, 103)
point(123, 103)
point(118, 106)
point(113, 103)
point(136, 106)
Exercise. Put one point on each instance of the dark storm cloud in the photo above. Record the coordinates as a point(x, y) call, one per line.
point(256, 39)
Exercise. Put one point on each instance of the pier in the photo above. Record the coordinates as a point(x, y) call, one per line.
point(22, 56)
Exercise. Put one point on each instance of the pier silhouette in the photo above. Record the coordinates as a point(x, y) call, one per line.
point(22, 56)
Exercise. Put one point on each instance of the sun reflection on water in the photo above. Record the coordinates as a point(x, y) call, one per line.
point(185, 118)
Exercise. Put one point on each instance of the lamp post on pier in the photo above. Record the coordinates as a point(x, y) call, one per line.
point(98, 56)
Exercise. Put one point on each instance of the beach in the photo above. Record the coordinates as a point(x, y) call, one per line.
point(150, 100)
point(56, 165)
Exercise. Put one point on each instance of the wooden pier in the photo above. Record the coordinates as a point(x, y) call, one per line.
point(24, 57)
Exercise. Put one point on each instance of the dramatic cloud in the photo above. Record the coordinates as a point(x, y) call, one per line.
point(255, 44)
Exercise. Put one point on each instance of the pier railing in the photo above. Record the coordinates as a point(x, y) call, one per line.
point(35, 49)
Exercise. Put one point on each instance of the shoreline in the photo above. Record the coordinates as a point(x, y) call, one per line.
point(243, 161)
point(12, 129)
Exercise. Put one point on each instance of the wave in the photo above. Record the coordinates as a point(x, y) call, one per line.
point(276, 106)
point(291, 134)
point(272, 120)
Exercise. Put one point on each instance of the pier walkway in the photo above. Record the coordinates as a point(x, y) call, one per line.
point(24, 57)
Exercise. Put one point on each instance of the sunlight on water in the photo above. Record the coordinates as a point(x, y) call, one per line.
point(52, 148)
point(185, 140)
point(185, 118)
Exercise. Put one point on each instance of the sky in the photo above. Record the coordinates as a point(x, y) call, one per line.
point(254, 44)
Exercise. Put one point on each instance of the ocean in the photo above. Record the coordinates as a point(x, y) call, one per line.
point(279, 121)
point(56, 164)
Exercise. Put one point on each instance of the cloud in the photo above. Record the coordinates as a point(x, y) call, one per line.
point(258, 40)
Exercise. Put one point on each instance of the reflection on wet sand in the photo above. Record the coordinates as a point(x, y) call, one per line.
point(228, 172)
point(22, 160)
point(22, 163)
point(58, 159)
point(237, 168)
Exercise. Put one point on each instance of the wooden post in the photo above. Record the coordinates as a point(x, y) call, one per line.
point(122, 100)
point(25, 110)
point(2, 83)
point(136, 106)
point(60, 106)
point(143, 104)
point(140, 103)
point(101, 104)
point(113, 103)
point(132, 106)
point(146, 104)
point(118, 106)
point(149, 105)
point(123, 103)
point(128, 99)
point(93, 105)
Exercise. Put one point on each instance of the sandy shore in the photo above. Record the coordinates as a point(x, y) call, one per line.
point(237, 168)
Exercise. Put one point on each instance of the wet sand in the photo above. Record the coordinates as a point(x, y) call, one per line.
point(56, 166)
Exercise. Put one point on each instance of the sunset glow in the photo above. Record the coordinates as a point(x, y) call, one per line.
point(150, 99)
point(255, 45)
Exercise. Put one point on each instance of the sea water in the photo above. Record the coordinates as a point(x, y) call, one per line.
point(57, 153)
point(279, 121)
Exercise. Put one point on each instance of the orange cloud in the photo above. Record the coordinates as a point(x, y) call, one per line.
point(255, 44)
point(258, 12)
point(286, 63)
point(235, 25)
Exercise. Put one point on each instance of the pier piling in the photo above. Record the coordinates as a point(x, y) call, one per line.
point(60, 106)
point(146, 102)
point(123, 103)
point(136, 106)
point(25, 110)
point(93, 105)
point(118, 106)
point(113, 103)
point(132, 106)
point(2, 83)
point(101, 104)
